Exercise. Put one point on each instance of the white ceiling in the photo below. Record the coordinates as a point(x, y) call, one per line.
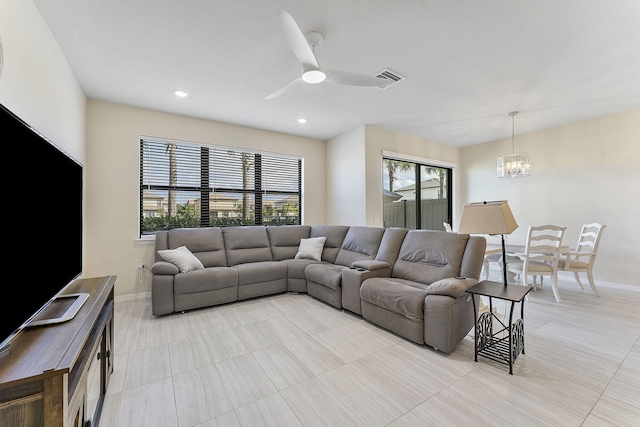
point(467, 63)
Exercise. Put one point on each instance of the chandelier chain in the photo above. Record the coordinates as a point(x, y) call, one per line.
point(513, 134)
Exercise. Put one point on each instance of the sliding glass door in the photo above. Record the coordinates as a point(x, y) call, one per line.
point(426, 205)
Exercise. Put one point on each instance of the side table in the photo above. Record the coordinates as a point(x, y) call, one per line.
point(494, 344)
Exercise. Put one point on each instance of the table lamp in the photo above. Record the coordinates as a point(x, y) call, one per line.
point(489, 218)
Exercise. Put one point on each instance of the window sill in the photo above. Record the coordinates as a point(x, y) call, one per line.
point(146, 240)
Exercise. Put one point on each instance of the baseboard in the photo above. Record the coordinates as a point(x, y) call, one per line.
point(133, 297)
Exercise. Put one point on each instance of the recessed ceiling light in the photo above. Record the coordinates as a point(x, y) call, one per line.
point(302, 120)
point(181, 93)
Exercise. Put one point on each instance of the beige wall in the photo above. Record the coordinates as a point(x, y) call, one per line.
point(346, 178)
point(583, 172)
point(112, 180)
point(36, 83)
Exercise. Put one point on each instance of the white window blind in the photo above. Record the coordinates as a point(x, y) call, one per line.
point(192, 185)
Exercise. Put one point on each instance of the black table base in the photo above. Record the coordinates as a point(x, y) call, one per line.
point(507, 343)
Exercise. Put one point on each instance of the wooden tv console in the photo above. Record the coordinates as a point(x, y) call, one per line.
point(45, 376)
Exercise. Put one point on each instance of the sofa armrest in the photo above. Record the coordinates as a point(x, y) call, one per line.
point(453, 287)
point(164, 268)
point(370, 264)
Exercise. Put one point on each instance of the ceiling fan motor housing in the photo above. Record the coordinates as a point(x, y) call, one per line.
point(314, 39)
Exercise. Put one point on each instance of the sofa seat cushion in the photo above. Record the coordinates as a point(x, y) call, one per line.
point(296, 267)
point(206, 279)
point(258, 272)
point(399, 296)
point(328, 275)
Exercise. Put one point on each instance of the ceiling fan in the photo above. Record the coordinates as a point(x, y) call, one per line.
point(303, 47)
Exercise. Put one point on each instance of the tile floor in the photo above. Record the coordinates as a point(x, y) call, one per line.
point(291, 360)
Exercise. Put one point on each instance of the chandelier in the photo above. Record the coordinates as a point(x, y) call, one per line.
point(514, 165)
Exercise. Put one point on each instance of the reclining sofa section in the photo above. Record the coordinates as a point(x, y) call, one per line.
point(411, 282)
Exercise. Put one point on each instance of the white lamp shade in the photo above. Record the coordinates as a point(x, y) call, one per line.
point(487, 218)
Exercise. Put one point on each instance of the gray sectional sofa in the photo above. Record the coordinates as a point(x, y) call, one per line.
point(411, 282)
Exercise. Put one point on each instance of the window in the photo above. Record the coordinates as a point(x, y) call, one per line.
point(401, 195)
point(196, 185)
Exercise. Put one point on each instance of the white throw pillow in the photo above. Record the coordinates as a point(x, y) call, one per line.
point(311, 248)
point(182, 258)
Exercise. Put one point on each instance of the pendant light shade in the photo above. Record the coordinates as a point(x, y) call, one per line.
point(514, 165)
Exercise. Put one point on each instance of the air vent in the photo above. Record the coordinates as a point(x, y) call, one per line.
point(390, 75)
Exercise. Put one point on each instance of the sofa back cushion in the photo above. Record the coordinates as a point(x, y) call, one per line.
point(205, 243)
point(426, 256)
point(335, 236)
point(246, 244)
point(360, 243)
point(285, 240)
point(390, 244)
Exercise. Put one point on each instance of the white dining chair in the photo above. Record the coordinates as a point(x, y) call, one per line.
point(541, 255)
point(582, 258)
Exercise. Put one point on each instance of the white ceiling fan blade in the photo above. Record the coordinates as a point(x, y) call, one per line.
point(355, 79)
point(296, 40)
point(285, 88)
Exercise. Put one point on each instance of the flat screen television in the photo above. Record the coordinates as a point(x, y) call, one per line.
point(43, 228)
